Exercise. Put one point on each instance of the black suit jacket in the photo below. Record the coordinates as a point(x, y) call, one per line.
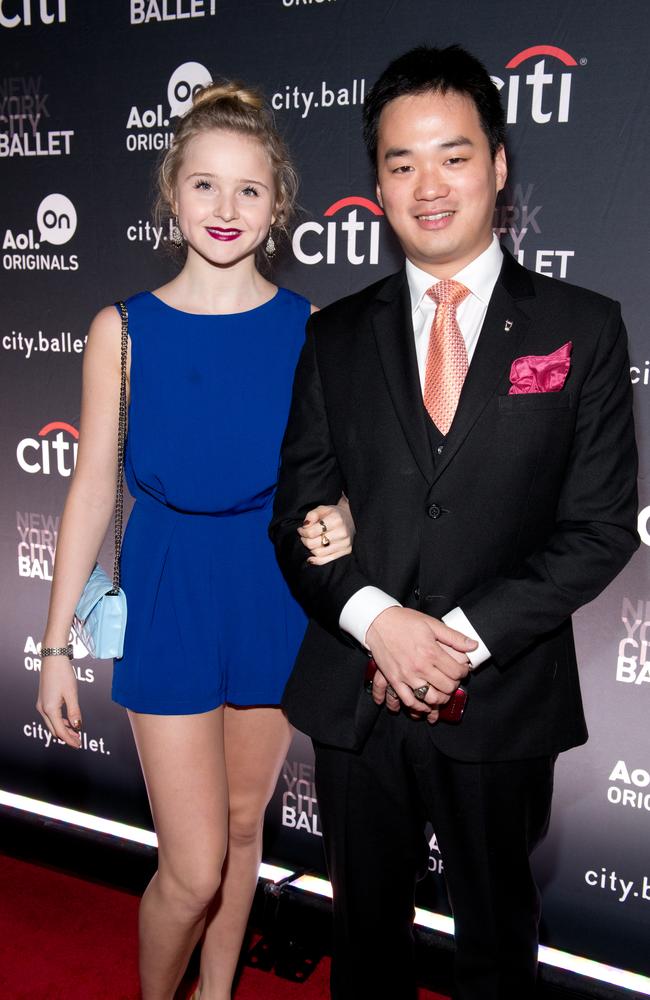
point(528, 513)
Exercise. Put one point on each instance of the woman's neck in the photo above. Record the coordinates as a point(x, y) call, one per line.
point(202, 287)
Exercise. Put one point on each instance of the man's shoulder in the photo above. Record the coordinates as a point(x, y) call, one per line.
point(565, 295)
point(351, 311)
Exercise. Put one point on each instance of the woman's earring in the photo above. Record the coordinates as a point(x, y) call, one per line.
point(270, 248)
point(176, 235)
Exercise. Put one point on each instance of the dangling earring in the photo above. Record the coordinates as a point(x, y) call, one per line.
point(176, 235)
point(270, 248)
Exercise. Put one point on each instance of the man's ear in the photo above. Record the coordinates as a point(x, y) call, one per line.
point(500, 168)
point(378, 194)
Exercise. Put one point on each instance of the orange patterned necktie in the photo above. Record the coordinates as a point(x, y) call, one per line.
point(447, 355)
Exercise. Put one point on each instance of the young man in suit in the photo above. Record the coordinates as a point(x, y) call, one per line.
point(478, 417)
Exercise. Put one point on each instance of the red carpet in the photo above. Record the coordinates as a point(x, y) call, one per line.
point(62, 937)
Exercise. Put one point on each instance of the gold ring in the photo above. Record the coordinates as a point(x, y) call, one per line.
point(323, 527)
point(421, 692)
point(324, 540)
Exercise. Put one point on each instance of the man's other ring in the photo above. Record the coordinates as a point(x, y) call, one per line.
point(323, 526)
point(421, 692)
point(391, 691)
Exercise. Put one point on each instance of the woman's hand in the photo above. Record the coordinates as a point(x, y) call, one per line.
point(328, 532)
point(58, 689)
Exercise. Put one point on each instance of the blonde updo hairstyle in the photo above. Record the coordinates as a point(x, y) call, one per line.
point(232, 107)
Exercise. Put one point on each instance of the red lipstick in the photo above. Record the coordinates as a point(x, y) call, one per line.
point(225, 235)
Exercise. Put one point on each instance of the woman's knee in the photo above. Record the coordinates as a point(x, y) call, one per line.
point(191, 887)
point(245, 823)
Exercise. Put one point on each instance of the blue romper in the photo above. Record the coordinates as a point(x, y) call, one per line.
point(210, 618)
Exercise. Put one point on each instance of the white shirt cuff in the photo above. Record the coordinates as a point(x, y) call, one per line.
point(362, 608)
point(456, 618)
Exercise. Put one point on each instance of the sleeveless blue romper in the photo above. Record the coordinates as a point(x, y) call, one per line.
point(210, 618)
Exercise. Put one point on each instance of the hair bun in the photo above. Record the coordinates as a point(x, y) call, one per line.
point(232, 92)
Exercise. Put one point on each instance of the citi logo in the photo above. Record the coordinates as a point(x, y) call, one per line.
point(550, 92)
point(357, 238)
point(26, 12)
point(53, 451)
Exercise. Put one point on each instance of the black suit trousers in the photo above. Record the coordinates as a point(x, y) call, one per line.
point(487, 817)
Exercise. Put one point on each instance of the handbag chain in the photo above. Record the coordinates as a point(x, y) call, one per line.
point(121, 443)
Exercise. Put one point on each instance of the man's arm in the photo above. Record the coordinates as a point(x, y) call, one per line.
point(310, 475)
point(595, 523)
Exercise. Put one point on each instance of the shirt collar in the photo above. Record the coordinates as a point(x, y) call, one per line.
point(480, 276)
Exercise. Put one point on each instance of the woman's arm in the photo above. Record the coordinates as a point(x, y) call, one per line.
point(86, 516)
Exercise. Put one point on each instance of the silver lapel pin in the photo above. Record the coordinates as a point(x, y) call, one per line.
point(507, 325)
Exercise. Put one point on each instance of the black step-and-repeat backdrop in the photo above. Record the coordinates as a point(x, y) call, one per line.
point(88, 97)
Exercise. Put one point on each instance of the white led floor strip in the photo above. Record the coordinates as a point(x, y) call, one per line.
point(310, 883)
point(134, 833)
point(549, 956)
point(84, 820)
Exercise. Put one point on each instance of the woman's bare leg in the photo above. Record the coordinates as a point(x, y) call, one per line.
point(256, 742)
point(182, 758)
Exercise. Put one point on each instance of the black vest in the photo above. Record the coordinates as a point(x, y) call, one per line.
point(436, 438)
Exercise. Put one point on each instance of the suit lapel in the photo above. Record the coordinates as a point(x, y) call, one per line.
point(506, 322)
point(393, 329)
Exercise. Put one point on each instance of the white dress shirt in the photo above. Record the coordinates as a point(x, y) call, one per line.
point(480, 277)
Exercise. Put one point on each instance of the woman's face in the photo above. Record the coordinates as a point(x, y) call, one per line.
point(225, 196)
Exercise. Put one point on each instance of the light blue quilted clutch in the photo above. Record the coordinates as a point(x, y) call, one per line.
point(100, 617)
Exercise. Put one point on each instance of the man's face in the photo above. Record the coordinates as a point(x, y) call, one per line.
point(436, 179)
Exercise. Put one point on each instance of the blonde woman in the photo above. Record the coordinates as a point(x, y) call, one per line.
point(212, 629)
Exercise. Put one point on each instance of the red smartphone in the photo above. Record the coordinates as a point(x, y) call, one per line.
point(451, 712)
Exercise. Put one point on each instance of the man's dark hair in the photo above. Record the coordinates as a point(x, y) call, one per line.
point(437, 70)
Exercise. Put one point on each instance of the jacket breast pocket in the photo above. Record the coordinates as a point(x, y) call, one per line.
point(523, 402)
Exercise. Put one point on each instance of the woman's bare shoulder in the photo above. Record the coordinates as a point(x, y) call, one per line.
point(104, 334)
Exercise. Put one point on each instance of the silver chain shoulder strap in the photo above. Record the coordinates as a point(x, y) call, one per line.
point(121, 443)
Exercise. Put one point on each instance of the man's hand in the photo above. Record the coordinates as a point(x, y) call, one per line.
point(411, 650)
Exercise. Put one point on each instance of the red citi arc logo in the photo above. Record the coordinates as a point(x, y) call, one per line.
point(541, 50)
point(55, 450)
point(550, 96)
point(353, 200)
point(358, 238)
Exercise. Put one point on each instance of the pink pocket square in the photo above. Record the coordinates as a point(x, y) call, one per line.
point(541, 373)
